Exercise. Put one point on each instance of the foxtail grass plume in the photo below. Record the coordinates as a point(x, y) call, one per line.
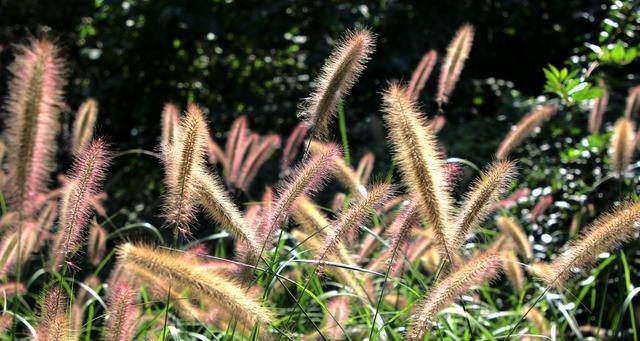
point(183, 160)
point(622, 145)
point(524, 128)
point(350, 220)
point(605, 234)
point(511, 228)
point(365, 168)
point(479, 269)
point(84, 125)
point(33, 106)
point(258, 155)
point(420, 162)
point(53, 324)
point(222, 291)
point(633, 102)
point(337, 76)
point(170, 123)
point(220, 208)
point(480, 201)
point(292, 146)
point(85, 181)
point(421, 74)
point(122, 312)
point(457, 54)
point(305, 180)
point(598, 109)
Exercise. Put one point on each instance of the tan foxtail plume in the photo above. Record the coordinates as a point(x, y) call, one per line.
point(350, 220)
point(457, 54)
point(339, 310)
point(633, 102)
point(217, 204)
point(422, 73)
point(481, 268)
point(420, 162)
point(33, 106)
point(122, 312)
point(622, 145)
point(88, 173)
point(337, 76)
point(511, 228)
point(480, 201)
point(606, 233)
point(598, 109)
point(524, 128)
point(170, 123)
point(222, 291)
point(53, 324)
point(183, 159)
point(306, 179)
point(84, 125)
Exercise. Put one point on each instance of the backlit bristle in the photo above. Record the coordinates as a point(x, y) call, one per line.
point(53, 324)
point(170, 123)
point(122, 312)
point(421, 74)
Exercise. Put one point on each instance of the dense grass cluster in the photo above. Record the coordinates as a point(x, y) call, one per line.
point(413, 255)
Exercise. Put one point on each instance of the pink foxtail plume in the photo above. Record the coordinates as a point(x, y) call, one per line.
point(292, 146)
point(33, 106)
point(85, 181)
point(258, 155)
point(421, 74)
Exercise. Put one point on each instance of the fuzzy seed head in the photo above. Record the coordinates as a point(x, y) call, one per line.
point(420, 162)
point(421, 74)
point(524, 128)
point(597, 110)
point(512, 228)
point(633, 102)
point(184, 159)
point(84, 125)
point(479, 269)
point(33, 106)
point(622, 145)
point(170, 123)
point(339, 73)
point(292, 146)
point(457, 54)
